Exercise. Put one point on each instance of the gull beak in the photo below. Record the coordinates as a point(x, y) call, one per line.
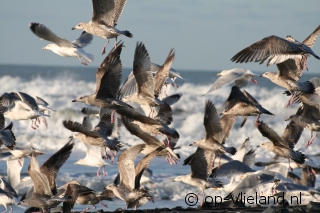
point(73, 28)
point(173, 180)
point(287, 119)
point(71, 136)
point(191, 144)
point(43, 48)
point(75, 100)
point(261, 75)
point(219, 74)
point(258, 146)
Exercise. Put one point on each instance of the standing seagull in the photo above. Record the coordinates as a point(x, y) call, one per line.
point(104, 18)
point(276, 50)
point(62, 46)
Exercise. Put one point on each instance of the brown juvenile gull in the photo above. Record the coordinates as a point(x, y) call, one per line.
point(130, 86)
point(8, 195)
point(105, 16)
point(99, 136)
point(128, 188)
point(286, 79)
point(152, 143)
point(81, 195)
point(108, 80)
point(274, 50)
point(43, 196)
point(309, 118)
point(62, 46)
point(20, 106)
point(242, 104)
point(212, 125)
point(200, 168)
point(7, 137)
point(240, 77)
point(140, 169)
point(146, 87)
point(278, 145)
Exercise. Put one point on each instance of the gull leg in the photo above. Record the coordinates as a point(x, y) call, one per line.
point(219, 162)
point(104, 47)
point(311, 139)
point(32, 125)
point(11, 209)
point(103, 171)
point(112, 116)
point(98, 172)
point(115, 43)
point(102, 204)
point(289, 165)
point(214, 160)
point(81, 62)
point(86, 209)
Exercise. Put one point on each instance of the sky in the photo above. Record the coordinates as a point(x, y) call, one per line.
point(204, 34)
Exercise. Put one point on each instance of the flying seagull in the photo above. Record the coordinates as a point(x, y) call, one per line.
point(62, 46)
point(240, 77)
point(104, 18)
point(275, 50)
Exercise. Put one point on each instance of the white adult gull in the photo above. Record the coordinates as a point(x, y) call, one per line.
point(240, 77)
point(62, 46)
point(104, 18)
point(20, 106)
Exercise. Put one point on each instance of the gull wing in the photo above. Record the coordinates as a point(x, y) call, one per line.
point(103, 12)
point(108, 75)
point(45, 33)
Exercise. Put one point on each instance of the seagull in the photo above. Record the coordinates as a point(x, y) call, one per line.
point(20, 106)
point(95, 156)
point(130, 85)
point(42, 196)
point(275, 50)
point(200, 168)
point(278, 145)
point(128, 188)
point(105, 16)
point(80, 194)
point(108, 80)
point(240, 77)
point(308, 117)
point(7, 137)
point(243, 104)
point(145, 93)
point(62, 46)
point(152, 143)
point(99, 136)
point(8, 195)
point(213, 127)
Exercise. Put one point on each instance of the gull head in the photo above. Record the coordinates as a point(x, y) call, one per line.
point(111, 186)
point(292, 118)
point(79, 26)
point(267, 145)
point(82, 99)
point(177, 179)
point(49, 47)
point(269, 75)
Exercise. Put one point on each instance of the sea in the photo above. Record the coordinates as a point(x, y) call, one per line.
point(60, 85)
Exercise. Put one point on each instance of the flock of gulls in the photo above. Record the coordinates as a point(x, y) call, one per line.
point(147, 86)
